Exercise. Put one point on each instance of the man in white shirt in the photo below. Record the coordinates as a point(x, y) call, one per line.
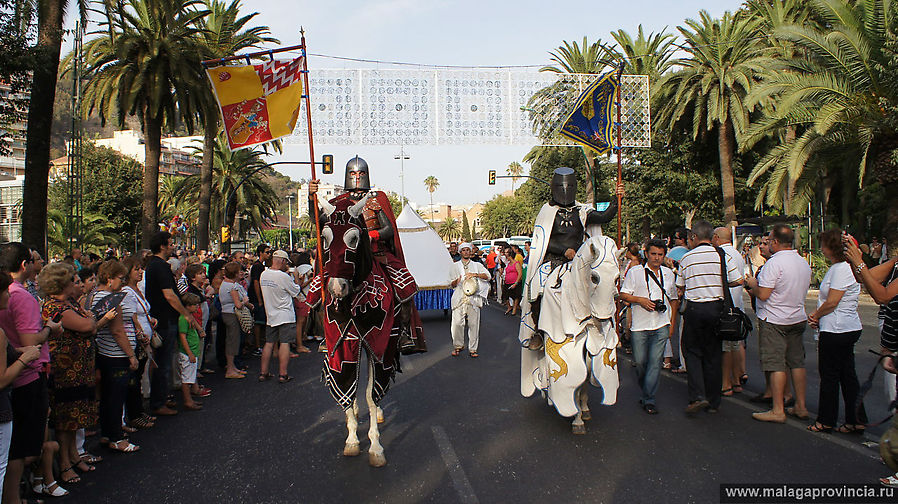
point(733, 351)
point(278, 290)
point(652, 293)
point(466, 305)
point(783, 286)
point(701, 284)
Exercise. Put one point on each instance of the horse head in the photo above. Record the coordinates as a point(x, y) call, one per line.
point(344, 241)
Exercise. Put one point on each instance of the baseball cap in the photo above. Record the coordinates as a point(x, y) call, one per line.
point(281, 254)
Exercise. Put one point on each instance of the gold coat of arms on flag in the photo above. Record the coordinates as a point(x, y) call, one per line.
point(259, 103)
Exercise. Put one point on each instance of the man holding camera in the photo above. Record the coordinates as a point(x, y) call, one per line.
point(652, 293)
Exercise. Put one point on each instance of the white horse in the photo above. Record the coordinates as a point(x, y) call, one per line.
point(351, 447)
point(576, 317)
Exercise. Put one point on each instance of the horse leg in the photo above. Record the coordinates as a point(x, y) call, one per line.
point(351, 448)
point(376, 452)
point(577, 426)
point(584, 403)
point(380, 415)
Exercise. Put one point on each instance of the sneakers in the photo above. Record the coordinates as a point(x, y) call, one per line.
point(769, 416)
point(696, 406)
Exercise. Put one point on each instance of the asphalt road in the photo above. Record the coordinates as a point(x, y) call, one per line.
point(457, 430)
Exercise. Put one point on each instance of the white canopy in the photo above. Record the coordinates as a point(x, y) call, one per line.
point(425, 254)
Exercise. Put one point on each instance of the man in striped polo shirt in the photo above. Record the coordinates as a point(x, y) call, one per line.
point(701, 284)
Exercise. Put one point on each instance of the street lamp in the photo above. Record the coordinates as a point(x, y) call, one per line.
point(402, 157)
point(290, 198)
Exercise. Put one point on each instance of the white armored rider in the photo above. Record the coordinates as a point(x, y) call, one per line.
point(568, 301)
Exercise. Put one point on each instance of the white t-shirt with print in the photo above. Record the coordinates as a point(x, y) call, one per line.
point(635, 285)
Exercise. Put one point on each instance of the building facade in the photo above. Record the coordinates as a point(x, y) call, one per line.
point(177, 152)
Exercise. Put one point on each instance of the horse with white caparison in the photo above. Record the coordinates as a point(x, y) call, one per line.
point(576, 319)
point(361, 318)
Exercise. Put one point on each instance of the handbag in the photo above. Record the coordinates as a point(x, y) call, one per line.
point(734, 324)
point(155, 339)
point(246, 319)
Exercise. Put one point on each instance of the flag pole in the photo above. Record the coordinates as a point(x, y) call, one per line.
point(620, 197)
point(306, 92)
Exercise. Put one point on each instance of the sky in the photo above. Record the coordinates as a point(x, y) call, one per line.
point(450, 32)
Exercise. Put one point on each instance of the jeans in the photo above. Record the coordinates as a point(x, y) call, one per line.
point(836, 365)
point(160, 381)
point(5, 438)
point(648, 350)
point(704, 356)
point(114, 378)
point(134, 402)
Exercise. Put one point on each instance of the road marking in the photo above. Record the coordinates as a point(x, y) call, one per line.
point(459, 480)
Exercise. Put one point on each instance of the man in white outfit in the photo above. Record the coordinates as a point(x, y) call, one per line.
point(466, 304)
point(278, 291)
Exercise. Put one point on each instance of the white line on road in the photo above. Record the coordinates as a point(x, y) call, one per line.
point(459, 480)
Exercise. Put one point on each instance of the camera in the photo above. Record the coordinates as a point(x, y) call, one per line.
point(660, 307)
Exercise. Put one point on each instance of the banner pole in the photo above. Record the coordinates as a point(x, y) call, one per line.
point(307, 92)
point(620, 197)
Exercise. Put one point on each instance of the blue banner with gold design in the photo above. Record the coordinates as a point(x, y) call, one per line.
point(591, 123)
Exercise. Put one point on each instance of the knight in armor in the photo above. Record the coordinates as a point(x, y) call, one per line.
point(385, 246)
point(568, 222)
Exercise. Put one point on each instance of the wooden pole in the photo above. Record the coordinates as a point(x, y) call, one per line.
point(306, 92)
point(620, 197)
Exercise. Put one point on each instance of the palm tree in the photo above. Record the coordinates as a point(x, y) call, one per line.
point(450, 229)
point(722, 63)
point(98, 233)
point(50, 14)
point(645, 55)
point(514, 170)
point(173, 200)
point(432, 183)
point(223, 34)
point(255, 200)
point(147, 62)
point(840, 91)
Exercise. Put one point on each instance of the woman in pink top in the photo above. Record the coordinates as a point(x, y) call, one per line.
point(514, 285)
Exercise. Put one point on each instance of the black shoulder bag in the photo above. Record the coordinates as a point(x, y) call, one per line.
point(734, 325)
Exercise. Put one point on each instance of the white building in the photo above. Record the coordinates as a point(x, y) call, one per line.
point(178, 153)
point(13, 163)
point(11, 208)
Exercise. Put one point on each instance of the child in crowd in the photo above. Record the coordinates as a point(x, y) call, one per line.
point(189, 343)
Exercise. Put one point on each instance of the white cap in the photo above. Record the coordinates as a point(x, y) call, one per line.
point(466, 245)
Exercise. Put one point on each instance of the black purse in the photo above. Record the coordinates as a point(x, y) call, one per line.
point(734, 324)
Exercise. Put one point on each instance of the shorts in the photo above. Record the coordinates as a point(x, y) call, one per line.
point(259, 316)
point(30, 405)
point(731, 346)
point(781, 347)
point(284, 333)
point(232, 333)
point(187, 369)
point(513, 294)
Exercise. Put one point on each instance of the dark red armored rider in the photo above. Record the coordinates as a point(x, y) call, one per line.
point(386, 248)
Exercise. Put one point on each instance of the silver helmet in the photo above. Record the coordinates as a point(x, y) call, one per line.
point(564, 187)
point(357, 177)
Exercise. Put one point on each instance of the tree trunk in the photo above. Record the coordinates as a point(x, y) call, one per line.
point(726, 145)
point(40, 122)
point(890, 229)
point(152, 133)
point(202, 227)
point(790, 183)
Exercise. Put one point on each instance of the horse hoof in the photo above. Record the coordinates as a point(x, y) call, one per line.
point(380, 415)
point(376, 459)
point(351, 450)
point(586, 415)
point(578, 429)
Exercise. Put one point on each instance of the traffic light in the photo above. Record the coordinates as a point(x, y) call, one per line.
point(492, 177)
point(225, 234)
point(327, 164)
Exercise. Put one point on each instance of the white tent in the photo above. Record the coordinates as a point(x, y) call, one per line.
point(425, 254)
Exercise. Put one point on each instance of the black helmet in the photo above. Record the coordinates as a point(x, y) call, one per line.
point(357, 178)
point(564, 187)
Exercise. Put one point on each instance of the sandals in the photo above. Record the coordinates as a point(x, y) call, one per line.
point(58, 491)
point(456, 352)
point(265, 376)
point(282, 379)
point(68, 481)
point(743, 379)
point(889, 481)
point(236, 376)
point(141, 423)
point(128, 448)
point(851, 429)
point(727, 392)
point(474, 355)
point(819, 427)
point(89, 458)
point(89, 468)
point(129, 429)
